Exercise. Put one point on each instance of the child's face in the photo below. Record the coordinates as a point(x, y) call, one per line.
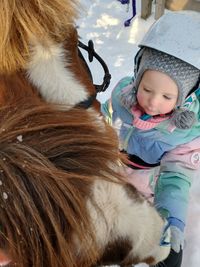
point(157, 93)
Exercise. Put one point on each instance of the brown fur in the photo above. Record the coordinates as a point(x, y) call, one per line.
point(47, 178)
point(35, 184)
point(42, 21)
point(14, 87)
point(23, 22)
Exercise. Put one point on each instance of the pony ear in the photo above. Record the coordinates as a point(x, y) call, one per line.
point(22, 22)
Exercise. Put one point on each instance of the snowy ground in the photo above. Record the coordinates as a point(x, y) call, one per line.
point(102, 21)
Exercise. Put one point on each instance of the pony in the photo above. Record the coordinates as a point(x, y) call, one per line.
point(63, 202)
point(38, 48)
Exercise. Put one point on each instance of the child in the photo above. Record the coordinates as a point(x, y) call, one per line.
point(157, 116)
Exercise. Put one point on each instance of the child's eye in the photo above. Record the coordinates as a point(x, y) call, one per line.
point(146, 90)
point(167, 97)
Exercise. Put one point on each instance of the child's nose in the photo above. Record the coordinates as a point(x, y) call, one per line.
point(154, 101)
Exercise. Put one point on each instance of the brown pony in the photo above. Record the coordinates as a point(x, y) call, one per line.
point(38, 49)
point(62, 202)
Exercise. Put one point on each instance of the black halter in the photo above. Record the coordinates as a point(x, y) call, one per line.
point(106, 79)
point(91, 54)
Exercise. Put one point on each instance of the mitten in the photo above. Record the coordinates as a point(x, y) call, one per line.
point(176, 227)
point(177, 238)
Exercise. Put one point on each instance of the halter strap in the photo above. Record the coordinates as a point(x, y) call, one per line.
point(87, 103)
point(91, 54)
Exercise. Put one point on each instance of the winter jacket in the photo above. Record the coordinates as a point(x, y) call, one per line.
point(158, 142)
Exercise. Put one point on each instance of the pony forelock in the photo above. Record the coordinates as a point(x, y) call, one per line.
point(22, 21)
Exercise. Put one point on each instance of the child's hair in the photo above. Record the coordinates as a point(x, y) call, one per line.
point(48, 161)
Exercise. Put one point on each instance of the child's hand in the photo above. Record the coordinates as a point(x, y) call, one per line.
point(177, 238)
point(177, 234)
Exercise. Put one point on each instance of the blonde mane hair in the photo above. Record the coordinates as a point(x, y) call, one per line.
point(25, 21)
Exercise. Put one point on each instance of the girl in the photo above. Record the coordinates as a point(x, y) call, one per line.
point(156, 115)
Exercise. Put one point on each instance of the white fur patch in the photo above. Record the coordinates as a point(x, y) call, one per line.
point(124, 217)
point(48, 71)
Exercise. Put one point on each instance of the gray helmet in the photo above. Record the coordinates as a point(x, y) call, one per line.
point(185, 25)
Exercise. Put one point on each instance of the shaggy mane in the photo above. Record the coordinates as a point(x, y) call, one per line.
point(25, 21)
point(47, 166)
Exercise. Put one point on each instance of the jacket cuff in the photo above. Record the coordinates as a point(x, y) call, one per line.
point(176, 222)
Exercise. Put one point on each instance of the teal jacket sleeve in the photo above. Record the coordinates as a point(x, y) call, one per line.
point(178, 168)
point(172, 194)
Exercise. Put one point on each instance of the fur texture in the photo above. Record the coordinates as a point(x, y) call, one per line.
point(39, 38)
point(48, 70)
point(23, 22)
point(63, 202)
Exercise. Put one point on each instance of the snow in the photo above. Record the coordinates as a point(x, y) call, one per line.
point(102, 21)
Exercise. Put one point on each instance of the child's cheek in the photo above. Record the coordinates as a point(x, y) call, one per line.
point(140, 98)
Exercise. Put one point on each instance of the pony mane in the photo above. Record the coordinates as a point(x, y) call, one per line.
point(24, 22)
point(47, 166)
